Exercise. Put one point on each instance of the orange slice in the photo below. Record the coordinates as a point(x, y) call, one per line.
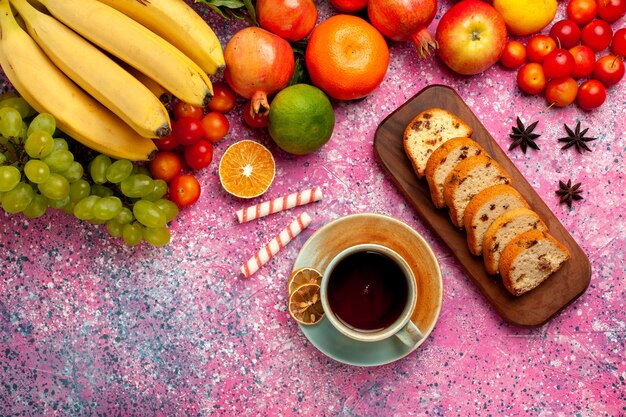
point(305, 305)
point(247, 169)
point(304, 275)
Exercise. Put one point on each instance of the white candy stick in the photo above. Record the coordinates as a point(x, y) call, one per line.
point(279, 204)
point(275, 245)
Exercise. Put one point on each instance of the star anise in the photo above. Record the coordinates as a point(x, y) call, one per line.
point(523, 136)
point(569, 192)
point(576, 138)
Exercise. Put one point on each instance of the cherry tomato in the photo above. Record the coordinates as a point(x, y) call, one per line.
point(611, 10)
point(566, 33)
point(582, 11)
point(618, 44)
point(168, 143)
point(187, 130)
point(184, 190)
point(609, 70)
point(597, 35)
point(591, 95)
point(558, 64)
point(538, 47)
point(165, 166)
point(531, 78)
point(254, 122)
point(561, 92)
point(199, 155)
point(182, 109)
point(585, 60)
point(223, 99)
point(215, 126)
point(513, 56)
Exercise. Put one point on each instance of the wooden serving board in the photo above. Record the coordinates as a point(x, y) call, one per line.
point(531, 309)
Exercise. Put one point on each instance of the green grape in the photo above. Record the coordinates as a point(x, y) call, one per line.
point(19, 104)
point(59, 160)
point(83, 209)
point(132, 233)
point(98, 168)
point(23, 132)
point(59, 204)
point(2, 193)
point(149, 214)
point(107, 208)
point(141, 169)
point(55, 188)
point(101, 190)
point(119, 170)
point(37, 171)
point(159, 190)
point(114, 228)
point(43, 121)
point(74, 172)
point(37, 207)
point(79, 189)
point(96, 221)
point(18, 198)
point(60, 144)
point(169, 208)
point(9, 177)
point(137, 186)
point(10, 122)
point(69, 208)
point(125, 216)
point(39, 144)
point(3, 158)
point(157, 236)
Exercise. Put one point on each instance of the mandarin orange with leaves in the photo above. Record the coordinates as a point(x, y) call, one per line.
point(346, 57)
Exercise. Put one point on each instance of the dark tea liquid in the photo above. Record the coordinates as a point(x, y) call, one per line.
point(367, 291)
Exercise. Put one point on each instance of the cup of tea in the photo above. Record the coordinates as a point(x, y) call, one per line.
point(368, 293)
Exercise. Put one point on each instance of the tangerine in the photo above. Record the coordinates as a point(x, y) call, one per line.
point(246, 169)
point(346, 57)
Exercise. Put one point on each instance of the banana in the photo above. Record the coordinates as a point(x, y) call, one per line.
point(180, 25)
point(164, 96)
point(136, 45)
point(47, 89)
point(96, 73)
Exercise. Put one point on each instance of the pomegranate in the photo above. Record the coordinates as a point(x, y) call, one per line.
point(401, 20)
point(258, 63)
point(292, 20)
point(349, 6)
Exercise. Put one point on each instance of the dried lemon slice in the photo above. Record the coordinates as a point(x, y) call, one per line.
point(305, 305)
point(304, 275)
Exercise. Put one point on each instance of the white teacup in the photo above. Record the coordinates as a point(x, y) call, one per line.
point(365, 280)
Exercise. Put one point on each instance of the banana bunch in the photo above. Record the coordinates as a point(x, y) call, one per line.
point(103, 67)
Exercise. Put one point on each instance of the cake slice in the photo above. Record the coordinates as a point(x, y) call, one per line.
point(468, 178)
point(443, 160)
point(484, 208)
point(504, 229)
point(427, 131)
point(530, 259)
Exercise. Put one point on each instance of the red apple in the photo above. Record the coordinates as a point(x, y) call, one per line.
point(471, 37)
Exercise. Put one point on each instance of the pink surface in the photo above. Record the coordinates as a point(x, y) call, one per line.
point(89, 326)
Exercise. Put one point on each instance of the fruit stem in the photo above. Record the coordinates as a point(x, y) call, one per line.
point(424, 42)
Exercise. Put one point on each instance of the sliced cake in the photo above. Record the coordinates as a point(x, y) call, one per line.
point(504, 229)
point(468, 178)
point(427, 131)
point(529, 259)
point(443, 160)
point(484, 208)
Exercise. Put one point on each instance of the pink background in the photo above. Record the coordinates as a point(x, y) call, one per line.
point(89, 326)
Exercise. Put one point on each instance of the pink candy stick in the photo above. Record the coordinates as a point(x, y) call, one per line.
point(280, 241)
point(282, 203)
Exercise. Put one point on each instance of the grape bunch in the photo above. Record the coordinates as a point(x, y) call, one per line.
point(40, 171)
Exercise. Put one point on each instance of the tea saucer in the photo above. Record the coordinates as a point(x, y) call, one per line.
point(359, 228)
